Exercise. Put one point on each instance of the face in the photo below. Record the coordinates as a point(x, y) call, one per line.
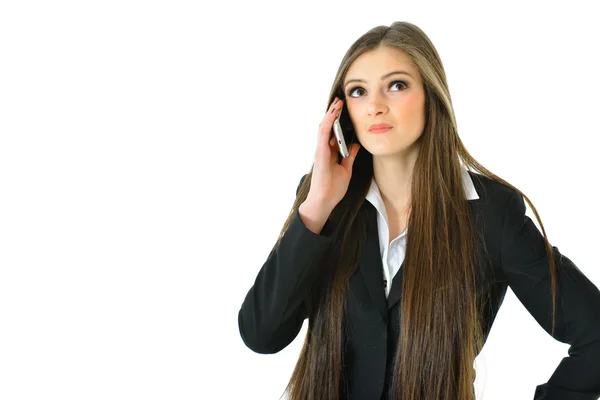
point(380, 97)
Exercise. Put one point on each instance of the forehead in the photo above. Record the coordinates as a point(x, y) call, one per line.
point(373, 63)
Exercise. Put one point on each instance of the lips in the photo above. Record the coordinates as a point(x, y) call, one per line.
point(379, 131)
point(379, 127)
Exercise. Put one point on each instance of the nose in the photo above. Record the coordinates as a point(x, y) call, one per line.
point(376, 106)
point(376, 109)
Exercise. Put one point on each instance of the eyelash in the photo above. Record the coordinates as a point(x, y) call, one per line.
point(391, 84)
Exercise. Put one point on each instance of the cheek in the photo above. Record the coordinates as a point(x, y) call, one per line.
point(411, 106)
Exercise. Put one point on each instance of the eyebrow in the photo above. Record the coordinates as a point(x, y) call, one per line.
point(382, 78)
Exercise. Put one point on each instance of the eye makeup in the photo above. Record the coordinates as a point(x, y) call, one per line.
point(351, 90)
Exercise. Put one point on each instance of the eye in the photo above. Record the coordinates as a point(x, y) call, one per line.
point(349, 93)
point(402, 82)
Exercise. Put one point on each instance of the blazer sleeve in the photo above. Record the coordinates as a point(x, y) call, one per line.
point(525, 268)
point(274, 308)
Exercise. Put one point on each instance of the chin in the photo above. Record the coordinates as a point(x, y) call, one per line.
point(384, 149)
point(390, 149)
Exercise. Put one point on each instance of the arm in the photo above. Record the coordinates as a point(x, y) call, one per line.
point(274, 309)
point(525, 268)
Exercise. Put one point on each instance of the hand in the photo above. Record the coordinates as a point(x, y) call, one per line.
point(330, 180)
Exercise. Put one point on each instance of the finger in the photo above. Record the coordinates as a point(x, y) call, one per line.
point(327, 123)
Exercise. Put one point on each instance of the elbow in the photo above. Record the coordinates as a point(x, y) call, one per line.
point(253, 338)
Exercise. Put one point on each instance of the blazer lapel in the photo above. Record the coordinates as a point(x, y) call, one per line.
point(371, 268)
point(396, 290)
point(370, 264)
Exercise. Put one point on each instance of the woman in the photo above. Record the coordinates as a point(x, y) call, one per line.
point(401, 279)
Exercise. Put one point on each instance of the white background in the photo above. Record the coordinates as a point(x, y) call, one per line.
point(150, 153)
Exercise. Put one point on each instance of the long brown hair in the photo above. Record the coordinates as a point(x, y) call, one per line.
point(440, 312)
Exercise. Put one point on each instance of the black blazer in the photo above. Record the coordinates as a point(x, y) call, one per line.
point(274, 308)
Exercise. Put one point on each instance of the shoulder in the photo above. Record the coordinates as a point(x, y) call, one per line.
point(499, 213)
point(492, 193)
point(499, 206)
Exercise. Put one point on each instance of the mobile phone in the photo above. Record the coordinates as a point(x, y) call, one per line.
point(339, 135)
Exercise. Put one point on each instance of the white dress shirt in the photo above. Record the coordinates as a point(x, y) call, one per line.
point(393, 254)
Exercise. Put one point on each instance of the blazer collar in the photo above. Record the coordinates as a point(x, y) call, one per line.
point(370, 263)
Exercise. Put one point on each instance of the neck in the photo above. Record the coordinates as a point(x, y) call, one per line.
point(393, 175)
